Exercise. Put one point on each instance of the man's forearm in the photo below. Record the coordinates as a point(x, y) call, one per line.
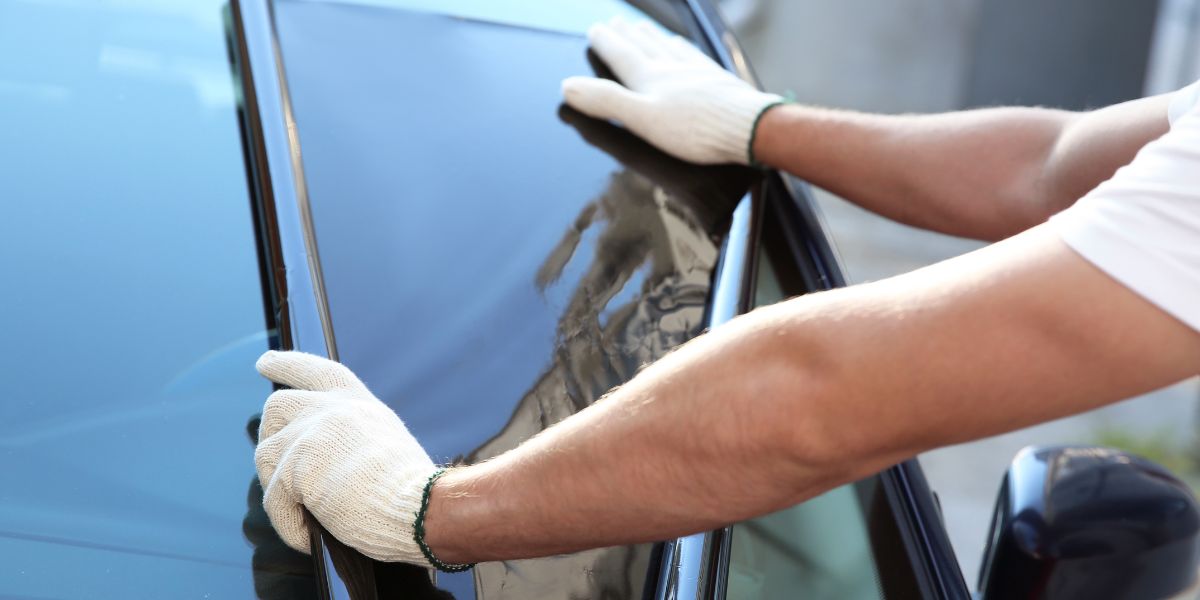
point(794, 399)
point(696, 440)
point(972, 174)
point(985, 174)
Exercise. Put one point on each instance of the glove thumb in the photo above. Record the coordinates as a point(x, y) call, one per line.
point(602, 99)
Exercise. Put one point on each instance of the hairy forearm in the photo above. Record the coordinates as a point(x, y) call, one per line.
point(792, 400)
point(695, 441)
point(973, 174)
point(984, 174)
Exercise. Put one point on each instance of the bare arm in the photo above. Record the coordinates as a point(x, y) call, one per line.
point(794, 399)
point(985, 174)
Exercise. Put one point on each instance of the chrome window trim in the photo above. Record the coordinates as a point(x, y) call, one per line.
point(279, 184)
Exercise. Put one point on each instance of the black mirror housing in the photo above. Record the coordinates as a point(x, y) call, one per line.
point(1084, 522)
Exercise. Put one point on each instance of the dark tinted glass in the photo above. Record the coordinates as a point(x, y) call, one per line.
point(132, 311)
point(494, 263)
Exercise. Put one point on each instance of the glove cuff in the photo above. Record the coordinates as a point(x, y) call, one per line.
point(419, 531)
point(396, 508)
point(730, 128)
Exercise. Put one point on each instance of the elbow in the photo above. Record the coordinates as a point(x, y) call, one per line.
point(822, 426)
point(1048, 186)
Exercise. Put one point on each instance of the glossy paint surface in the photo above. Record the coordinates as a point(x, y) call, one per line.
point(1081, 522)
point(133, 311)
point(493, 261)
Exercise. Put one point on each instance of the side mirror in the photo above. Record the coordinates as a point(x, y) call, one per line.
point(1082, 523)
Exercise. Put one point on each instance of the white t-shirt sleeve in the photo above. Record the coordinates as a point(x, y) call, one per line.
point(1183, 101)
point(1142, 227)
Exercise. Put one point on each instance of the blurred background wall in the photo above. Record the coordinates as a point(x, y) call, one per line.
point(936, 55)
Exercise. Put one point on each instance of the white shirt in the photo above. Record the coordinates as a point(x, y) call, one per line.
point(1142, 227)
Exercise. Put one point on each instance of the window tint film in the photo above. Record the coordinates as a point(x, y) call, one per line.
point(132, 313)
point(494, 262)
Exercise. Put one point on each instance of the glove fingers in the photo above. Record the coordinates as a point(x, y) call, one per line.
point(619, 53)
point(285, 406)
point(601, 98)
point(304, 371)
point(269, 452)
point(286, 515)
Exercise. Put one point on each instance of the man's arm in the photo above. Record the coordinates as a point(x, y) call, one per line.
point(793, 399)
point(984, 174)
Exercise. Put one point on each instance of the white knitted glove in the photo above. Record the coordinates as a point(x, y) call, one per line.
point(674, 96)
point(330, 445)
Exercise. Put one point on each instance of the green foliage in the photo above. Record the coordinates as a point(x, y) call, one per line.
point(1161, 446)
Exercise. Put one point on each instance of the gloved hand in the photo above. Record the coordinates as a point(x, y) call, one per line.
point(673, 96)
point(330, 445)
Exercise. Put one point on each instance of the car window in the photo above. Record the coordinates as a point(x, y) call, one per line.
point(132, 313)
point(826, 547)
point(494, 261)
